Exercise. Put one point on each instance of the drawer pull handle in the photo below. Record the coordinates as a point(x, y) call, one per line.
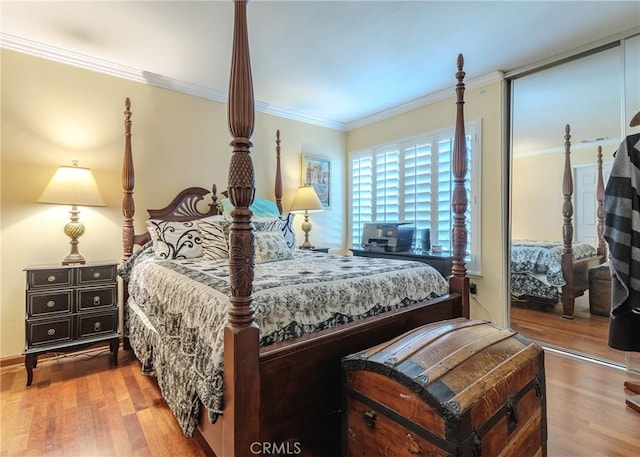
point(51, 278)
point(51, 331)
point(369, 419)
point(96, 300)
point(97, 326)
point(51, 304)
point(96, 274)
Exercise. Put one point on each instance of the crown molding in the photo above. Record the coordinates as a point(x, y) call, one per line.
point(426, 100)
point(55, 54)
point(297, 116)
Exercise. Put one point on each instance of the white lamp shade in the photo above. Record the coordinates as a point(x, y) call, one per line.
point(72, 186)
point(306, 199)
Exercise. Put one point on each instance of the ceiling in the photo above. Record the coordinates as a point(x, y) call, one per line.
point(331, 63)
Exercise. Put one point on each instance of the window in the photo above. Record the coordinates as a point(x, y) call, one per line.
point(411, 181)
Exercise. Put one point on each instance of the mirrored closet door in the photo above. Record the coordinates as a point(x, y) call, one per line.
point(592, 94)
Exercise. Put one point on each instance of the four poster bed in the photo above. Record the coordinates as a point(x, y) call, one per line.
point(278, 323)
point(544, 272)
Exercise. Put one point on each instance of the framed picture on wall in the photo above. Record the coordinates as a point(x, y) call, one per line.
point(316, 172)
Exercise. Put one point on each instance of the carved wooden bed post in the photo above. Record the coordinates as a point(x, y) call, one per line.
point(241, 347)
point(128, 182)
point(459, 281)
point(602, 245)
point(278, 181)
point(128, 207)
point(568, 295)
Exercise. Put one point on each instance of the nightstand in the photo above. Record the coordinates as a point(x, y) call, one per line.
point(69, 307)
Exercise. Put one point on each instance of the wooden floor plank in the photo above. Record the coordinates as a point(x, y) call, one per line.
point(586, 334)
point(134, 430)
point(586, 409)
point(83, 410)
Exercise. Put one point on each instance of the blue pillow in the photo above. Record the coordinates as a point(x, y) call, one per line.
point(261, 207)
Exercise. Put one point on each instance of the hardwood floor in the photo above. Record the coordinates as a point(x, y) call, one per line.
point(80, 406)
point(584, 335)
point(586, 411)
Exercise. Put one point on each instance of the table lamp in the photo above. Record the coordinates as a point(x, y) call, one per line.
point(306, 201)
point(73, 186)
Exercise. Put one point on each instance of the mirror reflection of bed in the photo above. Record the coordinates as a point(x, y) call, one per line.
point(551, 281)
point(548, 207)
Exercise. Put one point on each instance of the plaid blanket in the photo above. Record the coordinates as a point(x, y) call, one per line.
point(622, 223)
point(622, 234)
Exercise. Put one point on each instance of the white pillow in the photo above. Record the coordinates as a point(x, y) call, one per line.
point(282, 225)
point(175, 240)
point(215, 238)
point(271, 247)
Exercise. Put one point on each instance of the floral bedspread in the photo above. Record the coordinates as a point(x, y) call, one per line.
point(536, 267)
point(177, 311)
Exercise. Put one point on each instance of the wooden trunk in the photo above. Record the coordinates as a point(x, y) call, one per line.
point(455, 388)
point(600, 290)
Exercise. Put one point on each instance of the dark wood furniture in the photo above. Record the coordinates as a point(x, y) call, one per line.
point(600, 290)
point(576, 272)
point(441, 262)
point(456, 388)
point(318, 249)
point(69, 307)
point(291, 391)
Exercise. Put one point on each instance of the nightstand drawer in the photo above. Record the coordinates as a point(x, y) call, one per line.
point(42, 303)
point(51, 331)
point(97, 324)
point(95, 274)
point(88, 299)
point(50, 277)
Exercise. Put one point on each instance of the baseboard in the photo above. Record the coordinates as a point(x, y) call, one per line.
point(11, 360)
point(19, 359)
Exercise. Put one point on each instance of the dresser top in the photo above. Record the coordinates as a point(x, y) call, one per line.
point(58, 266)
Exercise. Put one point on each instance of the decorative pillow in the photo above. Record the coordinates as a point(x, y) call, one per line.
point(215, 238)
point(271, 247)
point(261, 207)
point(175, 240)
point(282, 225)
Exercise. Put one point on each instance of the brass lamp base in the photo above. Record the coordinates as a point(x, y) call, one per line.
point(306, 228)
point(74, 230)
point(74, 259)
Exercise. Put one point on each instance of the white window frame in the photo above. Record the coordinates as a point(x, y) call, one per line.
point(472, 129)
